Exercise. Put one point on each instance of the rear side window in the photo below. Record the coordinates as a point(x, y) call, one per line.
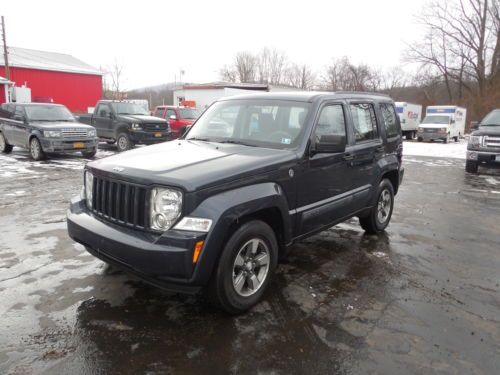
point(389, 119)
point(364, 121)
point(331, 122)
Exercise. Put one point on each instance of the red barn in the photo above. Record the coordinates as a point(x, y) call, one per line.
point(57, 76)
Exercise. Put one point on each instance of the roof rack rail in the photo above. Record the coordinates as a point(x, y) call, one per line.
point(363, 93)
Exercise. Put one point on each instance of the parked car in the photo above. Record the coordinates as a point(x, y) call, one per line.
point(409, 117)
point(178, 117)
point(484, 143)
point(442, 122)
point(127, 124)
point(215, 210)
point(44, 129)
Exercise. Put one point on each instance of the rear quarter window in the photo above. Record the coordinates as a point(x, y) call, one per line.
point(389, 119)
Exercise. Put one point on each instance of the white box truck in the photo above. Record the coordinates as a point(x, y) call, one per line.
point(442, 122)
point(409, 116)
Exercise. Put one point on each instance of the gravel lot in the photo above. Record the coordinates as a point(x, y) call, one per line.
point(423, 298)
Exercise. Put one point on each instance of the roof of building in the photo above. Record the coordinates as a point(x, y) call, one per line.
point(43, 60)
point(222, 85)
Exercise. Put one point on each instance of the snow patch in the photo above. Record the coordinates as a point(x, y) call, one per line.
point(436, 149)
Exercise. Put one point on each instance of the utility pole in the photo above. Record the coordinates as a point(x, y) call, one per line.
point(5, 53)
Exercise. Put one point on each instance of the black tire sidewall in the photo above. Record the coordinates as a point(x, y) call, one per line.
point(227, 296)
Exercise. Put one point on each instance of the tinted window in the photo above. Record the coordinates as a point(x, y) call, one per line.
point(103, 110)
point(331, 122)
point(389, 118)
point(48, 113)
point(19, 111)
point(159, 112)
point(364, 121)
point(171, 112)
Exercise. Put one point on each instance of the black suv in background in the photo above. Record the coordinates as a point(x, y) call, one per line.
point(127, 124)
point(484, 143)
point(256, 173)
point(43, 129)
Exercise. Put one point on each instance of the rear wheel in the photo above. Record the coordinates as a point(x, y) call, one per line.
point(447, 139)
point(36, 150)
point(380, 215)
point(420, 139)
point(471, 166)
point(4, 146)
point(245, 267)
point(123, 142)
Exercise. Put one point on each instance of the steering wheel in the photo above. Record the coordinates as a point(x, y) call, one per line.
point(279, 135)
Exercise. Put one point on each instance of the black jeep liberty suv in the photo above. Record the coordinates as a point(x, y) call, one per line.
point(215, 209)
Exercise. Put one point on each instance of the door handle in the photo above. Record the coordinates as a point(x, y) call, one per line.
point(348, 157)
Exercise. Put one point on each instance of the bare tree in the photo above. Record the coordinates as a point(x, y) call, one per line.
point(115, 72)
point(462, 46)
point(300, 76)
point(342, 75)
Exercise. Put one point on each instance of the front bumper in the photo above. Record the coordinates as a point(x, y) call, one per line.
point(431, 136)
point(162, 260)
point(481, 156)
point(150, 137)
point(68, 145)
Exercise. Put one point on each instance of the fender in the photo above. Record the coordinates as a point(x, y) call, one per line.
point(33, 133)
point(228, 207)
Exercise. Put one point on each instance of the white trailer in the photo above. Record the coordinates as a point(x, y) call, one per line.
point(409, 116)
point(442, 122)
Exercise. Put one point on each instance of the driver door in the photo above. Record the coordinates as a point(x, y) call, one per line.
point(103, 121)
point(323, 186)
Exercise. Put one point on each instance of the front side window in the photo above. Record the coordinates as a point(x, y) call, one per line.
point(103, 110)
point(390, 121)
point(331, 122)
point(190, 113)
point(364, 121)
point(170, 112)
point(127, 108)
point(264, 123)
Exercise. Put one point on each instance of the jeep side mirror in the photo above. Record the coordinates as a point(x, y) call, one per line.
point(172, 117)
point(330, 144)
point(111, 116)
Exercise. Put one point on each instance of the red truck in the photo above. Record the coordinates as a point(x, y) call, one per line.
point(178, 117)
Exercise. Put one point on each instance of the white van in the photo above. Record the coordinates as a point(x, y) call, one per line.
point(409, 117)
point(442, 122)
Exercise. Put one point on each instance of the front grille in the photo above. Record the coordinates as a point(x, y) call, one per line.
point(74, 133)
point(430, 130)
point(120, 202)
point(492, 141)
point(155, 126)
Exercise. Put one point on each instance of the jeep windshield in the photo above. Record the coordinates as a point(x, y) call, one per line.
point(264, 123)
point(124, 108)
point(491, 119)
point(48, 113)
point(436, 120)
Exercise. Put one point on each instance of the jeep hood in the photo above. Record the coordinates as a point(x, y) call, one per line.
point(488, 130)
point(192, 165)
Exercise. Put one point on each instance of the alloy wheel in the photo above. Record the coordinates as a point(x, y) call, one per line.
point(251, 267)
point(384, 206)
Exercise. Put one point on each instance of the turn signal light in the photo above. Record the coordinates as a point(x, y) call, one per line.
point(197, 251)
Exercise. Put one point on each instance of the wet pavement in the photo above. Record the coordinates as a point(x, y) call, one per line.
point(422, 298)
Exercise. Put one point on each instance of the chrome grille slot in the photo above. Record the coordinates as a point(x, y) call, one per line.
point(492, 141)
point(74, 133)
point(155, 126)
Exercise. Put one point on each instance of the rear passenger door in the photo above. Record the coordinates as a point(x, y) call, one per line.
point(365, 150)
point(392, 130)
point(20, 127)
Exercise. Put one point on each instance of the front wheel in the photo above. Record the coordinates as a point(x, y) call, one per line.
point(380, 215)
point(4, 146)
point(123, 142)
point(36, 150)
point(245, 268)
point(471, 166)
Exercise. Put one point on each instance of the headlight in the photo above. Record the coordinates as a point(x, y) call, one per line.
point(476, 140)
point(136, 127)
point(91, 133)
point(51, 133)
point(89, 183)
point(442, 130)
point(195, 224)
point(166, 207)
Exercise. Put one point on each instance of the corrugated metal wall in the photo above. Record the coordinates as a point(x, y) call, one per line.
point(75, 91)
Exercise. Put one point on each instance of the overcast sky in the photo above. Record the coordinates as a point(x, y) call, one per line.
point(155, 39)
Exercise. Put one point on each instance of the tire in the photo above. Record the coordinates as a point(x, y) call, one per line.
point(89, 154)
point(455, 139)
point(111, 142)
point(380, 215)
point(4, 146)
point(420, 139)
point(471, 166)
point(447, 139)
point(36, 150)
point(123, 142)
point(409, 136)
point(230, 287)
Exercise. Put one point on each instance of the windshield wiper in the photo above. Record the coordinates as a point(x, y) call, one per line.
point(489, 125)
point(198, 139)
point(237, 143)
